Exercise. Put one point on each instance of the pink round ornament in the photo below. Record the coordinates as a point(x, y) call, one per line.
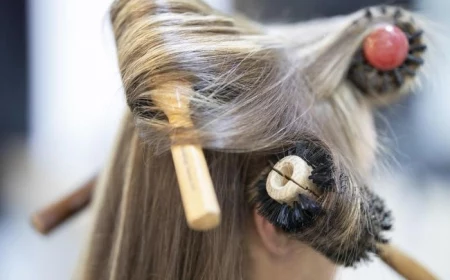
point(386, 48)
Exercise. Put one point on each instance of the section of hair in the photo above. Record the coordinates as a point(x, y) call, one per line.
point(257, 91)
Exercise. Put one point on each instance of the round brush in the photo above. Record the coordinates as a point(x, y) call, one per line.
point(389, 57)
point(289, 204)
point(290, 182)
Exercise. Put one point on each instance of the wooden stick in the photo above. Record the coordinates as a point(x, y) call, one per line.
point(47, 219)
point(403, 264)
point(197, 192)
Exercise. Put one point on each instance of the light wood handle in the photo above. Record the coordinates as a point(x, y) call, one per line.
point(404, 265)
point(196, 187)
point(197, 192)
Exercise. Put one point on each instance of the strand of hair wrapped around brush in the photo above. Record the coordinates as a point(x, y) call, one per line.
point(275, 118)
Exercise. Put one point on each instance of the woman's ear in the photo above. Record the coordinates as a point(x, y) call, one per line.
point(274, 240)
point(276, 256)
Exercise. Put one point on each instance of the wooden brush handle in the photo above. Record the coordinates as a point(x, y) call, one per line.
point(404, 265)
point(47, 219)
point(197, 192)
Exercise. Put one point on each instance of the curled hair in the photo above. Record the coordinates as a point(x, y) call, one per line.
point(258, 90)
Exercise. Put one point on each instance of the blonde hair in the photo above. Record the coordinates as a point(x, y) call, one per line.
point(258, 90)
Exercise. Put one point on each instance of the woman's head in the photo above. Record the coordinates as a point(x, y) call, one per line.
point(258, 91)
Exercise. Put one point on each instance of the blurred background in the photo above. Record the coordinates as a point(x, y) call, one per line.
point(61, 101)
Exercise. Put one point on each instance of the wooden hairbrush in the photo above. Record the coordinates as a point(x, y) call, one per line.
point(50, 217)
point(197, 192)
point(290, 178)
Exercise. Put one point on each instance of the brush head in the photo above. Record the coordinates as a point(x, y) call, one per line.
point(320, 218)
point(389, 57)
point(375, 220)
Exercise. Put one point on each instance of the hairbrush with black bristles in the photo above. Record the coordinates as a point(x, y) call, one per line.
point(291, 197)
point(293, 194)
point(390, 55)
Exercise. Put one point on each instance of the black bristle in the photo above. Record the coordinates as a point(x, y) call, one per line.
point(283, 216)
point(358, 58)
point(297, 215)
point(310, 206)
point(273, 211)
point(358, 77)
point(319, 177)
point(398, 76)
point(368, 68)
point(417, 48)
point(313, 153)
point(414, 59)
point(408, 71)
point(398, 14)
point(323, 178)
point(415, 35)
point(380, 217)
point(368, 14)
point(385, 84)
point(321, 168)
